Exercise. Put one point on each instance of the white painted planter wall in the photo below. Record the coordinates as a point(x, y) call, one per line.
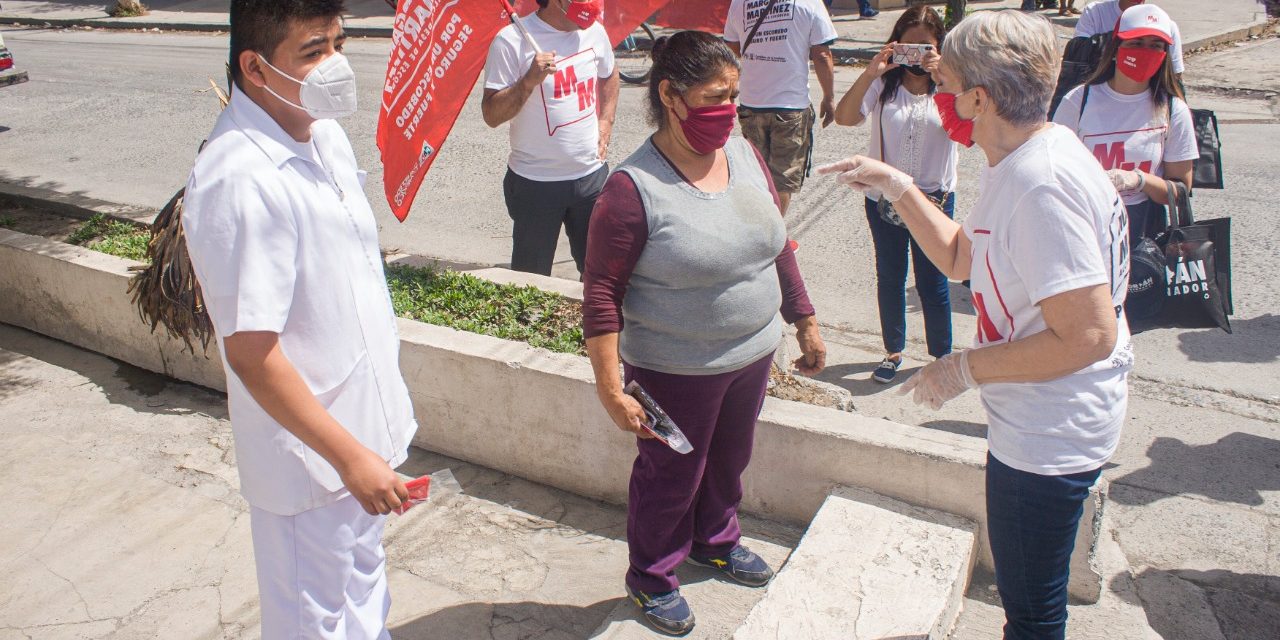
point(534, 413)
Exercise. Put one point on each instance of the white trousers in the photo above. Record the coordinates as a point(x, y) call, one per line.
point(322, 573)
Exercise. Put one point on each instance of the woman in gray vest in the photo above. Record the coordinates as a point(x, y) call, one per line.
point(689, 278)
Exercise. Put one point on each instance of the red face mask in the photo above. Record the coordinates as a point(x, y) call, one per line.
point(957, 128)
point(585, 13)
point(708, 128)
point(1138, 63)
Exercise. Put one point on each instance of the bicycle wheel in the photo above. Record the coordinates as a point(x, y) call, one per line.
point(632, 55)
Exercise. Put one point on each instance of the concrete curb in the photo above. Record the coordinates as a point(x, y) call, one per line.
point(71, 205)
point(533, 413)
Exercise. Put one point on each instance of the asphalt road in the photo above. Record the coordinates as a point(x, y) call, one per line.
point(119, 115)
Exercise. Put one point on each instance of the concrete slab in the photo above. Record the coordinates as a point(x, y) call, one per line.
point(718, 605)
point(869, 567)
point(1249, 65)
point(122, 520)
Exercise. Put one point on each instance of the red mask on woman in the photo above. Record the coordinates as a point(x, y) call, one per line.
point(584, 14)
point(708, 128)
point(1138, 63)
point(957, 128)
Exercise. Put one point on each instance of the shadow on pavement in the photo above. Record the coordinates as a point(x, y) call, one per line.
point(855, 377)
point(1185, 604)
point(960, 427)
point(1256, 340)
point(121, 383)
point(1237, 468)
point(507, 620)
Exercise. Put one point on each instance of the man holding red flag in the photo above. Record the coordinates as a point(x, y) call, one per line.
point(552, 76)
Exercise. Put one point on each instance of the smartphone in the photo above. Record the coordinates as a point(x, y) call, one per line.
point(911, 55)
point(659, 423)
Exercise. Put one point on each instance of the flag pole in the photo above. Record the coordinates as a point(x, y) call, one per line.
point(528, 38)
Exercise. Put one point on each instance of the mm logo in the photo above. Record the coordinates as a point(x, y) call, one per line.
point(570, 99)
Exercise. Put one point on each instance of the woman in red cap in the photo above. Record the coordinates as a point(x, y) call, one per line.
point(1134, 118)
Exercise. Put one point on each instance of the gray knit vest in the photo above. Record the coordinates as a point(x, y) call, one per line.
point(704, 297)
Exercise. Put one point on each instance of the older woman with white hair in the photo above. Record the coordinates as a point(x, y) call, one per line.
point(1046, 254)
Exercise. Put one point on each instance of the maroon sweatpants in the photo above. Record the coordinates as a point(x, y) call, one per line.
point(682, 504)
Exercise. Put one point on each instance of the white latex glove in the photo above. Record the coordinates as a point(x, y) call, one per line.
point(941, 380)
point(1126, 181)
point(863, 174)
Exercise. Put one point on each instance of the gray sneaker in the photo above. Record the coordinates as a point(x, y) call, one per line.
point(741, 564)
point(887, 370)
point(668, 612)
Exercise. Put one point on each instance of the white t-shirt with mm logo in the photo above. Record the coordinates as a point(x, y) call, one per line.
point(556, 135)
point(1048, 221)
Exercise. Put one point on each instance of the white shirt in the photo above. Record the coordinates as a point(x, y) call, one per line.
point(556, 135)
point(915, 141)
point(1129, 132)
point(1104, 15)
point(775, 68)
point(282, 239)
point(1048, 221)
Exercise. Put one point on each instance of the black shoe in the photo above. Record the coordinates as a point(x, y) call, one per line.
point(887, 370)
point(668, 612)
point(741, 564)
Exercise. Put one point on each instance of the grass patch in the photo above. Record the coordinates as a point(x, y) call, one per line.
point(113, 237)
point(127, 9)
point(7, 222)
point(467, 303)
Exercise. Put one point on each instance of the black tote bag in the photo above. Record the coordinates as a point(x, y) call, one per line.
point(1208, 167)
point(1197, 261)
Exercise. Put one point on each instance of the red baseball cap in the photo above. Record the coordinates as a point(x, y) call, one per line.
point(1145, 20)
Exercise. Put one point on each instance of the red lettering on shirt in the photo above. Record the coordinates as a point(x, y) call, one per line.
point(987, 331)
point(587, 94)
point(566, 80)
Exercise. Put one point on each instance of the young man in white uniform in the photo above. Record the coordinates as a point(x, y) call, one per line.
point(775, 113)
point(1104, 15)
point(285, 247)
point(561, 105)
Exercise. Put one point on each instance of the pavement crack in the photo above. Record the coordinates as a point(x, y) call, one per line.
point(83, 603)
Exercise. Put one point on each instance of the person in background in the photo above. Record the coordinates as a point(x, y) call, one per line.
point(561, 106)
point(864, 7)
point(1052, 353)
point(1131, 114)
point(689, 280)
point(1103, 16)
point(906, 132)
point(775, 112)
point(285, 247)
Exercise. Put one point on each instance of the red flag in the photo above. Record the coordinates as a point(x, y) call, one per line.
point(705, 15)
point(438, 48)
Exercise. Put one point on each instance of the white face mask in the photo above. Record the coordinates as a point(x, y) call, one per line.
point(328, 91)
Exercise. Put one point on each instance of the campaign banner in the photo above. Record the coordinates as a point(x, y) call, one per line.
point(438, 48)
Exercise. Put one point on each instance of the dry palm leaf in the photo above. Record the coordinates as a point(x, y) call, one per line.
point(166, 290)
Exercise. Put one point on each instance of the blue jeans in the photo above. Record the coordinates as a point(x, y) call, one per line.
point(891, 245)
point(1032, 521)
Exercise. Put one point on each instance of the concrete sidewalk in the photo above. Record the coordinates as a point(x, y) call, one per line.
point(858, 38)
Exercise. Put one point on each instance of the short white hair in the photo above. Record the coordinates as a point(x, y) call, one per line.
point(1011, 54)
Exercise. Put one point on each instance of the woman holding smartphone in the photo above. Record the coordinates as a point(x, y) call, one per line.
point(907, 133)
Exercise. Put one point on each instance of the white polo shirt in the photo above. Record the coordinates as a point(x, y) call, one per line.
point(283, 240)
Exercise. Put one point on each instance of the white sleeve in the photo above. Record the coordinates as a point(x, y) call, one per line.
point(1053, 244)
point(1181, 143)
point(606, 59)
point(1068, 113)
point(733, 25)
point(1175, 50)
point(1087, 24)
point(869, 101)
point(502, 68)
point(244, 248)
point(821, 29)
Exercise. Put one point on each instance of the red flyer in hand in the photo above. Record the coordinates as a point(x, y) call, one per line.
point(418, 490)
